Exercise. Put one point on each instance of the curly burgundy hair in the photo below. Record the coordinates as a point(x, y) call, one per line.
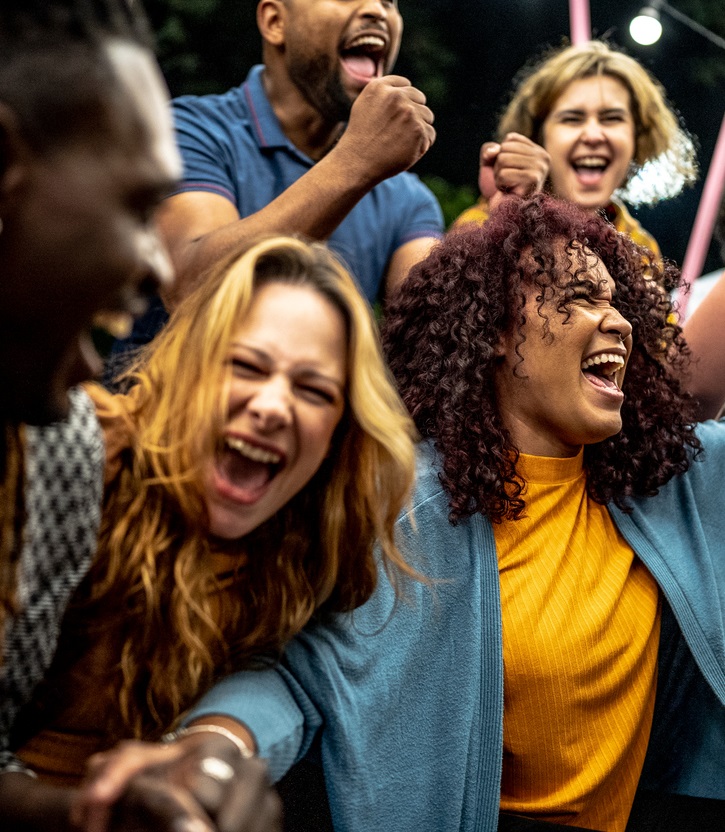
point(443, 326)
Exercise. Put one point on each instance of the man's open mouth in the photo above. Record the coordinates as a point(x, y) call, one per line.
point(117, 319)
point(363, 56)
point(116, 324)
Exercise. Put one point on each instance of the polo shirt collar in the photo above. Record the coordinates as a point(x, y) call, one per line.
point(265, 125)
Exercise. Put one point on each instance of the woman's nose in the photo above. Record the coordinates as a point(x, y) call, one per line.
point(271, 404)
point(592, 131)
point(614, 321)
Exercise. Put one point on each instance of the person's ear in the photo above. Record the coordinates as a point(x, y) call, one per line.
point(14, 156)
point(500, 347)
point(271, 19)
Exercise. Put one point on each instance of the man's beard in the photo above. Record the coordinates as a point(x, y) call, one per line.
point(320, 84)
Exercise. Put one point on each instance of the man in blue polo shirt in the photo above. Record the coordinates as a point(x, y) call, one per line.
point(315, 142)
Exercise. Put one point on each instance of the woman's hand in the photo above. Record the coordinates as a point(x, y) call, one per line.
point(515, 166)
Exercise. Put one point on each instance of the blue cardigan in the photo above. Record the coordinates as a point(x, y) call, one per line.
point(410, 692)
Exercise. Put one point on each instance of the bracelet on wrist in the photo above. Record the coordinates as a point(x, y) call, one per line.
point(241, 746)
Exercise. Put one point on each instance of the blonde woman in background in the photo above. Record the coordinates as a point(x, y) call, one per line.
point(583, 123)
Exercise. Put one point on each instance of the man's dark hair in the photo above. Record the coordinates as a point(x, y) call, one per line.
point(53, 70)
point(443, 325)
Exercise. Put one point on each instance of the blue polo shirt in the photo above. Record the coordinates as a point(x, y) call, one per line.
point(233, 145)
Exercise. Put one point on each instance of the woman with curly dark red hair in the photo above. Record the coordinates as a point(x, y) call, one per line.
point(476, 299)
point(569, 648)
point(540, 359)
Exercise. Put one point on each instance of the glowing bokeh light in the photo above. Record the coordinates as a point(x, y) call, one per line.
point(646, 28)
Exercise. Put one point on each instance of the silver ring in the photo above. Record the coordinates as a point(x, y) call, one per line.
point(216, 768)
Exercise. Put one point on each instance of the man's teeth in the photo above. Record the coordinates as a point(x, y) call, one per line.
point(117, 324)
point(367, 40)
point(604, 358)
point(252, 452)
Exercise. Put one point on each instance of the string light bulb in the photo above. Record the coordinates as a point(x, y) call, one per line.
point(646, 28)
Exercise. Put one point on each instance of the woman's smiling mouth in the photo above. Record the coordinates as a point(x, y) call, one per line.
point(602, 370)
point(590, 169)
point(245, 470)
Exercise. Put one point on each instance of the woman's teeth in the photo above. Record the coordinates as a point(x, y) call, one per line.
point(607, 363)
point(591, 163)
point(252, 452)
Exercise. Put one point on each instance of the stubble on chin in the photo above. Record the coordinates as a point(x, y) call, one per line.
point(319, 82)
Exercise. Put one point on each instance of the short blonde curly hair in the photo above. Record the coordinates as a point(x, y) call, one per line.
point(659, 136)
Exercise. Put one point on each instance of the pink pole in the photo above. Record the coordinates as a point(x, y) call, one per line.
point(704, 222)
point(579, 20)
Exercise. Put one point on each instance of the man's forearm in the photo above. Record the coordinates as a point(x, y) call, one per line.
point(390, 129)
point(313, 207)
point(28, 805)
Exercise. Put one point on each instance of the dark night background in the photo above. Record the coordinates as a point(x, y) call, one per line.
point(464, 55)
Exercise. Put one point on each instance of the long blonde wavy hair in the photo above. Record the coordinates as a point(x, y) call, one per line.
point(316, 554)
point(660, 140)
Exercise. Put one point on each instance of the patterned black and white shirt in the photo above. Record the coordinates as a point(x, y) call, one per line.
point(64, 475)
